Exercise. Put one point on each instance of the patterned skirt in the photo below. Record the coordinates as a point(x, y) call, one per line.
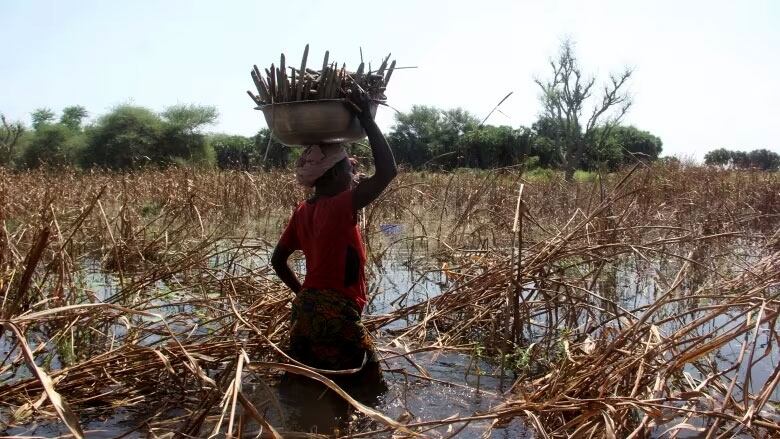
point(326, 331)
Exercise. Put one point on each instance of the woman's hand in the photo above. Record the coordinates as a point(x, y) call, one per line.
point(360, 102)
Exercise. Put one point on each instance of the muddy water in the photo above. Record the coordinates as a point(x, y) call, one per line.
point(460, 384)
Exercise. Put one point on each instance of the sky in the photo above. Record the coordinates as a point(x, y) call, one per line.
point(705, 72)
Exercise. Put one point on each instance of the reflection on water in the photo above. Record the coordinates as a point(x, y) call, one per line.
point(457, 383)
point(453, 387)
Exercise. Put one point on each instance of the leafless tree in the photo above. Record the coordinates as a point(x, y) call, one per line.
point(564, 98)
point(9, 137)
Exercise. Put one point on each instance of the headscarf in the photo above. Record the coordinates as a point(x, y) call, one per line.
point(316, 160)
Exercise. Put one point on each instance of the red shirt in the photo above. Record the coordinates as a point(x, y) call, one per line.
point(327, 232)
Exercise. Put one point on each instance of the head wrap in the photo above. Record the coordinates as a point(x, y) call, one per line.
point(316, 160)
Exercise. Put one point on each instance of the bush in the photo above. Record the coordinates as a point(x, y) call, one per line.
point(53, 145)
point(181, 147)
point(126, 137)
point(131, 136)
point(279, 156)
point(581, 175)
point(762, 159)
point(234, 152)
point(490, 147)
point(540, 174)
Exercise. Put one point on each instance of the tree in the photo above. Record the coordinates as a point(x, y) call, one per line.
point(131, 136)
point(124, 138)
point(636, 144)
point(564, 98)
point(10, 133)
point(543, 145)
point(180, 146)
point(53, 145)
point(764, 159)
point(740, 159)
point(72, 116)
point(430, 136)
point(234, 152)
point(181, 139)
point(41, 116)
point(718, 157)
point(489, 147)
point(624, 145)
point(190, 117)
point(455, 123)
point(278, 156)
point(414, 136)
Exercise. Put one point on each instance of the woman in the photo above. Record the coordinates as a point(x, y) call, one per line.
point(326, 331)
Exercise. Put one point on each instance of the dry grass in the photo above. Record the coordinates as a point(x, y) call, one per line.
point(191, 304)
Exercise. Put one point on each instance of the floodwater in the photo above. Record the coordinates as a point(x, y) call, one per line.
point(458, 385)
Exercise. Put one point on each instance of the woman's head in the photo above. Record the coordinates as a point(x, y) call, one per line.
point(337, 178)
point(319, 160)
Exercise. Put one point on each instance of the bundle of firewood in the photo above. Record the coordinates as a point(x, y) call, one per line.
point(330, 82)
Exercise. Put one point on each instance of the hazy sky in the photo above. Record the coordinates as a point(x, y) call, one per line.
point(706, 71)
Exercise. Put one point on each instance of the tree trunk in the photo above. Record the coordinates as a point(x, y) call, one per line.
point(571, 160)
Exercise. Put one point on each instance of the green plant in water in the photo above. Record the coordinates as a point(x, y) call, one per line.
point(65, 350)
point(477, 355)
point(559, 354)
point(520, 359)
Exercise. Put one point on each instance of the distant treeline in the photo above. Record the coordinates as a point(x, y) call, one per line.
point(579, 128)
point(756, 159)
point(424, 138)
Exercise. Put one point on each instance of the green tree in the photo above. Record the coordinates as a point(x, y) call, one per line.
point(277, 156)
point(546, 152)
point(10, 134)
point(41, 116)
point(190, 117)
point(177, 146)
point(764, 159)
point(53, 145)
point(490, 147)
point(131, 136)
point(718, 157)
point(72, 116)
point(624, 145)
point(545, 144)
point(182, 140)
point(636, 144)
point(415, 135)
point(234, 152)
point(455, 123)
point(126, 137)
point(564, 98)
point(430, 136)
point(607, 155)
point(740, 159)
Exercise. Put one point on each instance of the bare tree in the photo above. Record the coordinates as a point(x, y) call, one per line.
point(9, 137)
point(564, 98)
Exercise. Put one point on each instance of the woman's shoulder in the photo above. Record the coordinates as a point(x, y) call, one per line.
point(340, 200)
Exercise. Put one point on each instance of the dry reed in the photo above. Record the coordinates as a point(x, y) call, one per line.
point(191, 312)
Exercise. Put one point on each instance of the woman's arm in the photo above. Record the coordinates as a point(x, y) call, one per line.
point(384, 163)
point(279, 263)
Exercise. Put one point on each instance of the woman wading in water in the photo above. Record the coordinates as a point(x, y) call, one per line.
point(326, 330)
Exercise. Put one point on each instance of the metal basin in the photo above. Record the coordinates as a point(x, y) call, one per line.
point(314, 122)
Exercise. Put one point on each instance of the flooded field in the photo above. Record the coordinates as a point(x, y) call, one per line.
point(637, 306)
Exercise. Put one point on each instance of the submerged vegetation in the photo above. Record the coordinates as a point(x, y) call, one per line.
point(642, 303)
